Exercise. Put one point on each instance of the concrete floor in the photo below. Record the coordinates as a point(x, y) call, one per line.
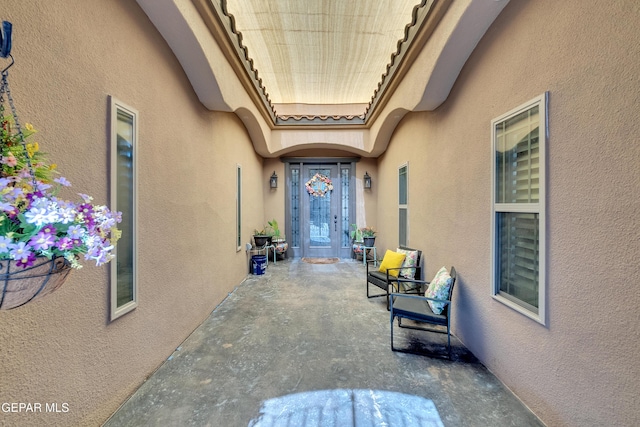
point(302, 345)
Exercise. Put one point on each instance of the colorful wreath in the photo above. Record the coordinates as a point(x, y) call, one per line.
point(319, 185)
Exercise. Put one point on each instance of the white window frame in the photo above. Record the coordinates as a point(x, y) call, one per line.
point(403, 206)
point(118, 106)
point(537, 208)
point(238, 208)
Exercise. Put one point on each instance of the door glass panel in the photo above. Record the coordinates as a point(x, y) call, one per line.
point(295, 208)
point(344, 183)
point(320, 214)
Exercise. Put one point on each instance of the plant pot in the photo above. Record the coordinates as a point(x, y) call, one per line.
point(260, 241)
point(19, 286)
point(369, 241)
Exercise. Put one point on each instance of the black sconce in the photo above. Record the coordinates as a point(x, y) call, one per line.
point(273, 182)
point(367, 181)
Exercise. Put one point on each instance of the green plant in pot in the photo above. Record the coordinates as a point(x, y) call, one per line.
point(262, 237)
point(277, 236)
point(355, 234)
point(368, 235)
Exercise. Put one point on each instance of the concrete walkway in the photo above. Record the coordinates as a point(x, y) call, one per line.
point(301, 346)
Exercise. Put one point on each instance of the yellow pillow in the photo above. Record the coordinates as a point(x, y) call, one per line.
point(391, 260)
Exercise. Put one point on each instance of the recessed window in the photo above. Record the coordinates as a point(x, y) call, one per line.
point(238, 208)
point(124, 138)
point(403, 204)
point(519, 144)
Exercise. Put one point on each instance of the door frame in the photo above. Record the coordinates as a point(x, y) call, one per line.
point(297, 246)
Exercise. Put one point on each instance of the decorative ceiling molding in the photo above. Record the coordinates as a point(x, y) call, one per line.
point(425, 18)
point(221, 23)
point(222, 28)
point(314, 120)
point(422, 80)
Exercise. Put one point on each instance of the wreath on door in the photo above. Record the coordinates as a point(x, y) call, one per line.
point(319, 185)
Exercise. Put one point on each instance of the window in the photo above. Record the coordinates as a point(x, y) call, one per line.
point(295, 206)
point(124, 138)
point(238, 208)
point(345, 217)
point(519, 139)
point(403, 219)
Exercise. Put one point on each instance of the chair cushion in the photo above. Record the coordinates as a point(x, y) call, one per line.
point(391, 260)
point(439, 289)
point(410, 260)
point(417, 309)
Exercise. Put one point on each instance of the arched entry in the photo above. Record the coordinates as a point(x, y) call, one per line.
point(320, 206)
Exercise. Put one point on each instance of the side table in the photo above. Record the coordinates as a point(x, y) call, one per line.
point(364, 255)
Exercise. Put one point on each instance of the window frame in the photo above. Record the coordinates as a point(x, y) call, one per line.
point(115, 107)
point(238, 207)
point(403, 207)
point(539, 208)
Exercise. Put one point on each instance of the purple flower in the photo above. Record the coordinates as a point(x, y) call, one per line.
point(63, 181)
point(27, 260)
point(49, 228)
point(5, 244)
point(64, 244)
point(76, 231)
point(20, 250)
point(42, 240)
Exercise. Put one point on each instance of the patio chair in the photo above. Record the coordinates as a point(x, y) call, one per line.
point(433, 313)
point(385, 280)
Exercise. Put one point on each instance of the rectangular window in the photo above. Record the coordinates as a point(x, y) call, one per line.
point(238, 208)
point(124, 139)
point(403, 204)
point(519, 144)
point(295, 206)
point(345, 218)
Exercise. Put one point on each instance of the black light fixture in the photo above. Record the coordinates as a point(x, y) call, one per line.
point(367, 181)
point(273, 182)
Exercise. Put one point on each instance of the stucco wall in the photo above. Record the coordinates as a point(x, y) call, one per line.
point(582, 368)
point(70, 56)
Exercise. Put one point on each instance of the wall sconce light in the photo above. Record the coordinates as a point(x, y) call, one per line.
point(367, 181)
point(273, 182)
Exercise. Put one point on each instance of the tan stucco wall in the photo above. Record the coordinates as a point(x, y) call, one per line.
point(70, 56)
point(582, 368)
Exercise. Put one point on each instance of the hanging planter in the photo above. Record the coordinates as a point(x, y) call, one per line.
point(42, 236)
point(21, 285)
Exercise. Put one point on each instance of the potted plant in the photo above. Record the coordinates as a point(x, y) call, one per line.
point(356, 241)
point(274, 230)
point(42, 236)
point(263, 237)
point(369, 236)
point(278, 239)
point(355, 234)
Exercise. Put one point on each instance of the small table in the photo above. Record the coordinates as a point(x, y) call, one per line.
point(364, 255)
point(270, 247)
point(358, 247)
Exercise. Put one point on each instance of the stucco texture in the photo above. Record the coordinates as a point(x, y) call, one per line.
point(70, 57)
point(582, 367)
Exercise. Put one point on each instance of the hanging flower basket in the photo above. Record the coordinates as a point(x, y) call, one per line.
point(42, 236)
point(319, 185)
point(19, 286)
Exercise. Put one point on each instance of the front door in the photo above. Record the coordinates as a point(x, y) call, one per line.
point(320, 211)
point(319, 206)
